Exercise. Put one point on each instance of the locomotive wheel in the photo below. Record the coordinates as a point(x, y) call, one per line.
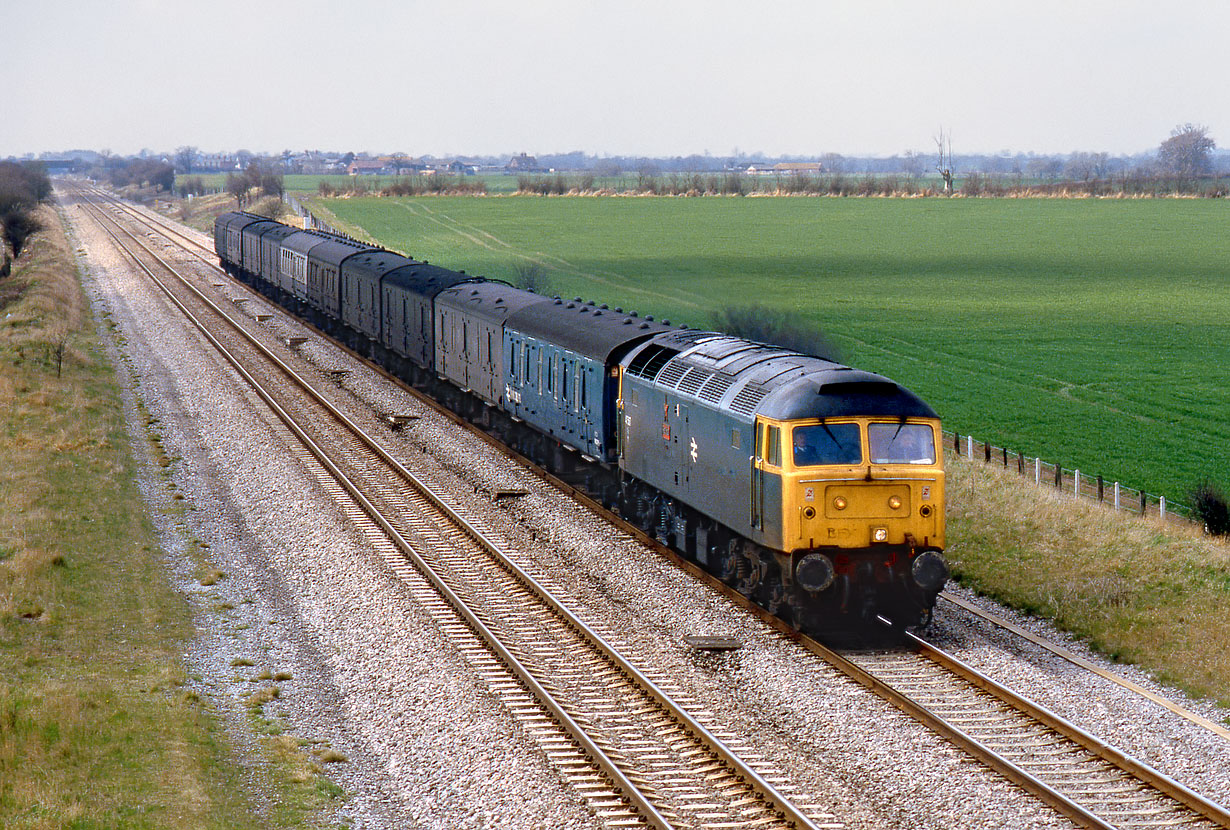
point(728, 562)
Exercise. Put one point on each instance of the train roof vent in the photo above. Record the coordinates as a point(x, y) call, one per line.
point(693, 380)
point(715, 388)
point(672, 373)
point(749, 397)
point(650, 360)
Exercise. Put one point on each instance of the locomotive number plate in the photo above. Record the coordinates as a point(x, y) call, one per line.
point(809, 494)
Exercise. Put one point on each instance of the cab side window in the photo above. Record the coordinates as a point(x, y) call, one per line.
point(773, 444)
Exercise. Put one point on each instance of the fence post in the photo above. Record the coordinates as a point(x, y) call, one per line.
point(1144, 503)
point(956, 442)
point(1076, 479)
point(1101, 490)
point(1005, 458)
point(1037, 471)
point(1161, 508)
point(1116, 495)
point(1020, 464)
point(969, 447)
point(1058, 477)
point(986, 448)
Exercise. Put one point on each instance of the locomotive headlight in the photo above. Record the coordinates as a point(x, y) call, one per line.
point(879, 534)
point(894, 502)
point(840, 503)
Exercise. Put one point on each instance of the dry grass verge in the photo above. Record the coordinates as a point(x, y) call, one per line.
point(97, 727)
point(1137, 591)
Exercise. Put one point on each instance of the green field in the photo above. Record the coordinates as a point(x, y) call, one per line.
point(1093, 333)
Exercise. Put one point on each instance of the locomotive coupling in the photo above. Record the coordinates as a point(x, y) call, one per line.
point(814, 572)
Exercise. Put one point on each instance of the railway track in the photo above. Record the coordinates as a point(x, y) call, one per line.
point(1076, 660)
point(629, 744)
point(1078, 775)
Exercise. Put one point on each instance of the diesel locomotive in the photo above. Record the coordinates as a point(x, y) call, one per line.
point(814, 488)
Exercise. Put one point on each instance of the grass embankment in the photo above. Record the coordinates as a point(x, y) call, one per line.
point(1136, 591)
point(97, 726)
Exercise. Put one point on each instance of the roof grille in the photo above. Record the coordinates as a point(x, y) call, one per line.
point(748, 398)
point(672, 373)
point(693, 380)
point(715, 387)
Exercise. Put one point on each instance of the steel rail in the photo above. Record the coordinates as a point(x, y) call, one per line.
point(1077, 660)
point(1134, 767)
point(779, 802)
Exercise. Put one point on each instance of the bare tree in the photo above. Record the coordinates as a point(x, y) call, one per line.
point(1080, 167)
point(912, 163)
point(833, 163)
point(944, 166)
point(1187, 152)
point(185, 157)
point(237, 186)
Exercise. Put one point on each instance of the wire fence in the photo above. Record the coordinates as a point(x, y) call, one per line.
point(310, 220)
point(1071, 481)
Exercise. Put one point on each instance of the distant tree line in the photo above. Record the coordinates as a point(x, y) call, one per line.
point(434, 184)
point(140, 173)
point(23, 185)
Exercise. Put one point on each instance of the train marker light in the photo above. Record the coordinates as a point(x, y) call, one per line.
point(879, 534)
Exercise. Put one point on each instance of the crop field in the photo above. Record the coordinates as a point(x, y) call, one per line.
point(1092, 333)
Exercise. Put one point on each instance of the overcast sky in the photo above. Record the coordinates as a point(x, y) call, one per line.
point(623, 77)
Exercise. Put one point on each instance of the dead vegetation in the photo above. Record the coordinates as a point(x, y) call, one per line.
point(94, 714)
point(1137, 590)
